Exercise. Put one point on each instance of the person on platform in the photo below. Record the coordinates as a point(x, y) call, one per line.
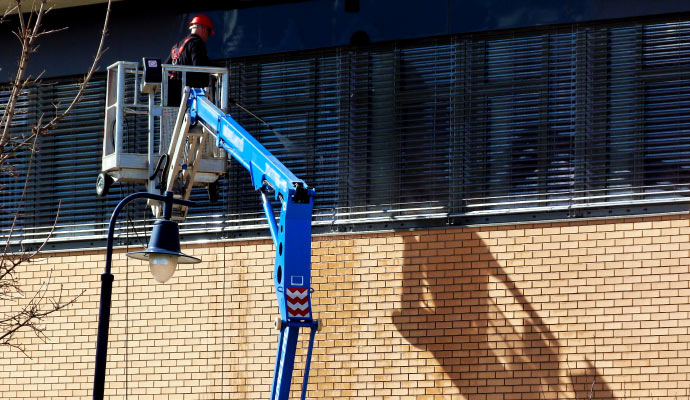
point(190, 51)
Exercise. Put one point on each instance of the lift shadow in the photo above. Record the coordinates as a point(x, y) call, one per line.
point(483, 331)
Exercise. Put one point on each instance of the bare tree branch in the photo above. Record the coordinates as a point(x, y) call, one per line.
point(26, 36)
point(41, 305)
point(99, 53)
point(29, 311)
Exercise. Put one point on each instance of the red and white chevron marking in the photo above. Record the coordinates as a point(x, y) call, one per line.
point(298, 302)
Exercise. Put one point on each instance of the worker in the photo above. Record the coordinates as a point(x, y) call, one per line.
point(190, 51)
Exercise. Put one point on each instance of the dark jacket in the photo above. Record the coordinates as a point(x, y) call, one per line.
point(190, 51)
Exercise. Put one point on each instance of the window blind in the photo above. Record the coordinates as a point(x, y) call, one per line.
point(576, 117)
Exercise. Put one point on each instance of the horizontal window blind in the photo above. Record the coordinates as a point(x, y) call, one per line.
point(292, 105)
point(563, 118)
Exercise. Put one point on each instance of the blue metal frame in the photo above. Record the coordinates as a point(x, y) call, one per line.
point(291, 234)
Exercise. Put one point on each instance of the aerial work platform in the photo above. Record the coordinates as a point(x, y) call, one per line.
point(173, 156)
point(190, 146)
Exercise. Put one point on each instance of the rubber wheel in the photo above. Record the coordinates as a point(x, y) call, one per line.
point(103, 184)
point(277, 323)
point(212, 189)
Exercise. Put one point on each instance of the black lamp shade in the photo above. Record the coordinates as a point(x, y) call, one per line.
point(165, 239)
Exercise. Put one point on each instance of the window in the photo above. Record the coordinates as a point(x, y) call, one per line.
point(562, 119)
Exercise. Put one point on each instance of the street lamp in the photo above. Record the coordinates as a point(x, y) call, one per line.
point(163, 254)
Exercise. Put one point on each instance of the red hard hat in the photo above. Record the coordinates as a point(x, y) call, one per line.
point(203, 20)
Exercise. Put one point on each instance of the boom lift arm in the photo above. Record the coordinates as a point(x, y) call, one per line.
point(291, 234)
point(182, 148)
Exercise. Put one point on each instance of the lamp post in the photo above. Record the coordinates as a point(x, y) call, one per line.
point(163, 254)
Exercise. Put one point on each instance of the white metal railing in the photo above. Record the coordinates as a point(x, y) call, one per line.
point(123, 98)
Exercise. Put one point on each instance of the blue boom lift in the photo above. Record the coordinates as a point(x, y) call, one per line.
point(198, 122)
point(291, 236)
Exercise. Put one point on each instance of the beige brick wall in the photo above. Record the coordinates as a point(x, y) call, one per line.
point(509, 312)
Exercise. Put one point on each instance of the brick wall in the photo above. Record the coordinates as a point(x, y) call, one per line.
point(543, 311)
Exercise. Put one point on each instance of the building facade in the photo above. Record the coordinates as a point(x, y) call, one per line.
point(501, 213)
point(548, 310)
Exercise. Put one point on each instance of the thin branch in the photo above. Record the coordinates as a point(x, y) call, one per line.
point(50, 32)
point(33, 313)
point(9, 10)
point(26, 37)
point(99, 54)
point(21, 200)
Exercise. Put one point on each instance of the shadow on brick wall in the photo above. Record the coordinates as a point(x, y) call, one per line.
point(462, 307)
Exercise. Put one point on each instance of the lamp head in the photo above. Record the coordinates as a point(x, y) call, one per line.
point(163, 252)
